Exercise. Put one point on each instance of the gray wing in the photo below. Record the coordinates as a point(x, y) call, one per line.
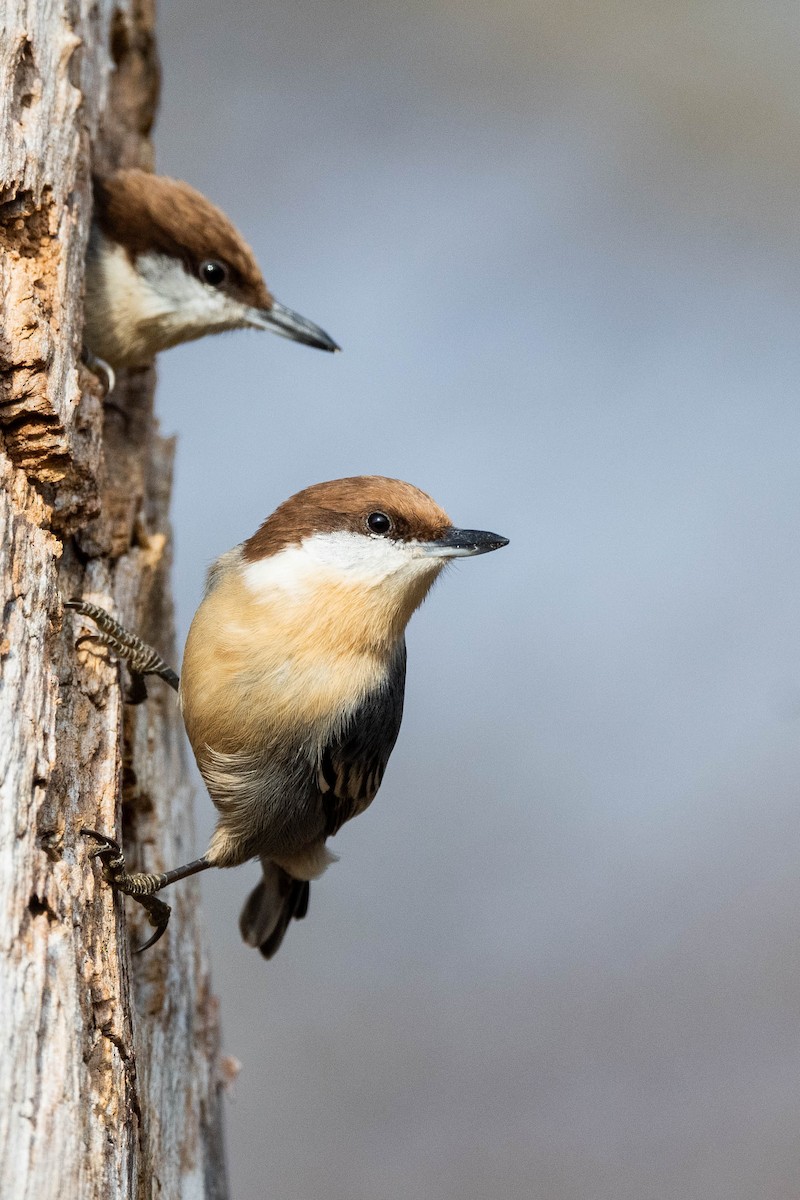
point(352, 767)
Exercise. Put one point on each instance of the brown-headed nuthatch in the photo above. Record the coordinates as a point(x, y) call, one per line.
point(292, 683)
point(165, 266)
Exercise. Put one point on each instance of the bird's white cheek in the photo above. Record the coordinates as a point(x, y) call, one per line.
point(174, 298)
point(339, 559)
point(356, 557)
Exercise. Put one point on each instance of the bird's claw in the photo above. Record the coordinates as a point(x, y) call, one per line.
point(110, 854)
point(136, 690)
point(158, 914)
point(101, 370)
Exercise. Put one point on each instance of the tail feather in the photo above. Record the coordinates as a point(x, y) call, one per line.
point(271, 906)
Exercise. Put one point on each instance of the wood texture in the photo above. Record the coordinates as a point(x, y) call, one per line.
point(109, 1065)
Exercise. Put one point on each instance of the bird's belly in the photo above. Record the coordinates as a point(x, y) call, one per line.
point(268, 805)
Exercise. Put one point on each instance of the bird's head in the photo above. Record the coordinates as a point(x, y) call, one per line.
point(359, 551)
point(173, 266)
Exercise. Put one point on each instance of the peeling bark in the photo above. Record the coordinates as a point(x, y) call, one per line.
point(109, 1067)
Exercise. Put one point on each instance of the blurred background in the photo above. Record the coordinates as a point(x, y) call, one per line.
point(559, 243)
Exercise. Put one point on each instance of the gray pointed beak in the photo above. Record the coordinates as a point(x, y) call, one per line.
point(464, 543)
point(288, 324)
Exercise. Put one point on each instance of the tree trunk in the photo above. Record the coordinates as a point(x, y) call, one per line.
point(109, 1069)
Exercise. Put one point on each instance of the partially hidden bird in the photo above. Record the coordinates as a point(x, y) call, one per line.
point(164, 265)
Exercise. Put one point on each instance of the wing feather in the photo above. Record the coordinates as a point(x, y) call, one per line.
point(352, 767)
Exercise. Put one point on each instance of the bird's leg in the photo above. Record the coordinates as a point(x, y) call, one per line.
point(101, 370)
point(140, 658)
point(140, 886)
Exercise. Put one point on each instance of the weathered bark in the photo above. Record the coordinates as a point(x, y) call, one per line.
point(109, 1083)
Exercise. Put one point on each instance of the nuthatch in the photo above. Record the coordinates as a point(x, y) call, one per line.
point(165, 266)
point(292, 683)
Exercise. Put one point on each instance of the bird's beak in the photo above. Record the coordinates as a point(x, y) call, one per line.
point(291, 325)
point(464, 543)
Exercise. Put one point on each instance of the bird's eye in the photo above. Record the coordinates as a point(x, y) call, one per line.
point(213, 273)
point(378, 522)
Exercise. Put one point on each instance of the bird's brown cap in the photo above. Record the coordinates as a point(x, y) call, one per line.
point(344, 505)
point(151, 213)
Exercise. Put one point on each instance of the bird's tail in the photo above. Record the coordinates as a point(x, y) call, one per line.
point(270, 907)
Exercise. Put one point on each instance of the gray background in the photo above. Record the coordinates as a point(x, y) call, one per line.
point(559, 243)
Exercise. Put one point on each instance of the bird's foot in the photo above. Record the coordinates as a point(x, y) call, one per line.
point(140, 658)
point(140, 886)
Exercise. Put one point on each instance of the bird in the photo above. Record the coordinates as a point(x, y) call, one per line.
point(163, 266)
point(292, 683)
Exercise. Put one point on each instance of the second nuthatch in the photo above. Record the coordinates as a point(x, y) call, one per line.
point(293, 679)
point(165, 266)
